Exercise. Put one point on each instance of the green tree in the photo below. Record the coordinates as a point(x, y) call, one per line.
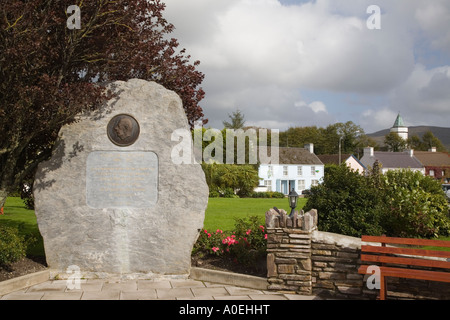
point(428, 141)
point(49, 73)
point(237, 120)
point(350, 133)
point(394, 142)
point(326, 140)
point(240, 179)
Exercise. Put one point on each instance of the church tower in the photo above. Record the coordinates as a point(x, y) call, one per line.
point(400, 128)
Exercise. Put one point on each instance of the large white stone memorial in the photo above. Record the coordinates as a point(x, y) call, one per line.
point(111, 200)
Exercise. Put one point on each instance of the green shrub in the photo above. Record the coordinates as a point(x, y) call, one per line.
point(214, 194)
point(399, 203)
point(13, 246)
point(413, 205)
point(346, 203)
point(268, 194)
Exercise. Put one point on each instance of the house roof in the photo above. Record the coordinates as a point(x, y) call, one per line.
point(392, 160)
point(433, 159)
point(333, 158)
point(296, 156)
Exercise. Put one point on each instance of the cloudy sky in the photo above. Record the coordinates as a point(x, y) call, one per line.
point(288, 63)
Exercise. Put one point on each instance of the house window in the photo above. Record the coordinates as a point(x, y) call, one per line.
point(269, 171)
point(431, 173)
point(285, 170)
point(314, 183)
point(299, 171)
point(268, 184)
point(301, 184)
point(313, 170)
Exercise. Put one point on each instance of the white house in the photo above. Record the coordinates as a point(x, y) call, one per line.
point(297, 168)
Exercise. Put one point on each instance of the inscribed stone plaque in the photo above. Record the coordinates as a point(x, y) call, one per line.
point(121, 179)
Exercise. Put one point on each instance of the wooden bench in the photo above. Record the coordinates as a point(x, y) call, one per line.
point(398, 260)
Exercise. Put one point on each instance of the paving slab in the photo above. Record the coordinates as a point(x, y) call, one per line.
point(267, 297)
point(150, 284)
point(149, 294)
point(228, 297)
point(300, 297)
point(212, 291)
point(49, 286)
point(130, 285)
point(139, 289)
point(186, 283)
point(174, 293)
point(237, 291)
point(62, 295)
point(101, 295)
point(23, 296)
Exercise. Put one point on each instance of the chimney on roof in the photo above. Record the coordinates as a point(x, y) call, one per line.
point(310, 147)
point(368, 151)
point(411, 152)
point(433, 149)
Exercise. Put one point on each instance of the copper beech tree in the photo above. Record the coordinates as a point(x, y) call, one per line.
point(49, 72)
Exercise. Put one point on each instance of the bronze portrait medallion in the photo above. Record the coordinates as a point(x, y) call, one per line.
point(123, 130)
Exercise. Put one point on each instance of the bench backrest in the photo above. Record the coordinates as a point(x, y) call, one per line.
point(384, 253)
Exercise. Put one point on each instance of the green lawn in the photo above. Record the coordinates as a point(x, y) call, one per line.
point(17, 215)
point(221, 212)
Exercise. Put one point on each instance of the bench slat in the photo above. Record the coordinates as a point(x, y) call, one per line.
point(410, 273)
point(417, 242)
point(406, 261)
point(408, 251)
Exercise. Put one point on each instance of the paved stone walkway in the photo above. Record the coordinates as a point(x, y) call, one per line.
point(146, 290)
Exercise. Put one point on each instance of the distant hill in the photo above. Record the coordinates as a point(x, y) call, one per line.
point(441, 133)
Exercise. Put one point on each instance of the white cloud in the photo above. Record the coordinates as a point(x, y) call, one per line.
point(374, 120)
point(316, 106)
point(434, 18)
point(425, 95)
point(258, 56)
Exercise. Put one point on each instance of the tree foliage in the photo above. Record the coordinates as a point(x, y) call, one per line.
point(346, 203)
point(326, 140)
point(394, 142)
point(398, 203)
point(230, 179)
point(50, 73)
point(237, 120)
point(428, 141)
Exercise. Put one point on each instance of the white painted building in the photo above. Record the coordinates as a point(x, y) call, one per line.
point(298, 169)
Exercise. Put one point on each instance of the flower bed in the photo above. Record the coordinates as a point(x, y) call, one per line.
point(245, 246)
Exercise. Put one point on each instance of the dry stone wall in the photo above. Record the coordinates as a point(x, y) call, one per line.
point(303, 260)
